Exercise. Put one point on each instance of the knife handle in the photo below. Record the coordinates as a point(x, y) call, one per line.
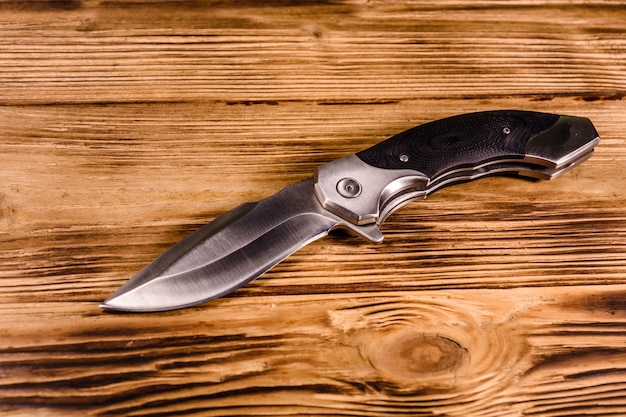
point(413, 162)
point(465, 140)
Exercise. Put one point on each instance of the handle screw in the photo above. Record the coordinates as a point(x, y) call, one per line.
point(506, 130)
point(349, 188)
point(404, 157)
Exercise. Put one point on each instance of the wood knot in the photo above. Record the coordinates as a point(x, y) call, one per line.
point(425, 359)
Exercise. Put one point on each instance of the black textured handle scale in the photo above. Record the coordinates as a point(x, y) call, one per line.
point(461, 141)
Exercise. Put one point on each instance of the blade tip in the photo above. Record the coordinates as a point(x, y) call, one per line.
point(110, 305)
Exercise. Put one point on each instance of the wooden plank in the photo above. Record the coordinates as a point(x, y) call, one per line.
point(126, 125)
point(99, 53)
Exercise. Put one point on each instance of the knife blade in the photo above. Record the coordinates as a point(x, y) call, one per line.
point(356, 193)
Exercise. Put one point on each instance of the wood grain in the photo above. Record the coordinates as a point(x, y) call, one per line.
point(125, 125)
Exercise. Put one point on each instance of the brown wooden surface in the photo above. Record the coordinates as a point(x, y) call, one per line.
point(126, 125)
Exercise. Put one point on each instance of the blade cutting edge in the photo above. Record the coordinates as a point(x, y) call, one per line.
point(228, 253)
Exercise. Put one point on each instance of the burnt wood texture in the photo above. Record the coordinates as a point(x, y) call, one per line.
point(126, 125)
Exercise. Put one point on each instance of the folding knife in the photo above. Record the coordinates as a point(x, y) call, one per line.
point(356, 193)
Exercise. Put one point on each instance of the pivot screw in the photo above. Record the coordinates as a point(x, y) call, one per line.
point(404, 157)
point(349, 188)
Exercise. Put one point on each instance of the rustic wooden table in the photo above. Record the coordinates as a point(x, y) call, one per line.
point(125, 125)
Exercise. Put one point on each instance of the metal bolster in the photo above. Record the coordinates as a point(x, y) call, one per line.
point(563, 143)
point(358, 192)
